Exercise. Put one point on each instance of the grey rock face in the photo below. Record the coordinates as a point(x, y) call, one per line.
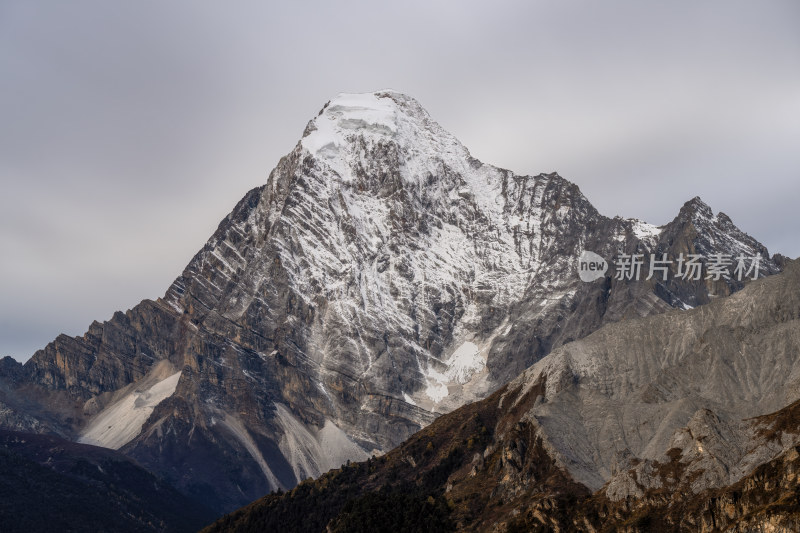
point(380, 277)
point(677, 389)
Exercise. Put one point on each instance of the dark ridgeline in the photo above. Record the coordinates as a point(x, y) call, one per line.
point(50, 484)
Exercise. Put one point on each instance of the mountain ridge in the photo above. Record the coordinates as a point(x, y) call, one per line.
point(494, 465)
point(381, 277)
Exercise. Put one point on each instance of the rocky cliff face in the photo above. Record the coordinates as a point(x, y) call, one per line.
point(671, 433)
point(382, 276)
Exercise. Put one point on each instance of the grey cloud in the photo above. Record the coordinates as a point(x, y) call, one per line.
point(129, 130)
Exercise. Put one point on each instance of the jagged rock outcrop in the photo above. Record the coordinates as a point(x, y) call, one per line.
point(382, 276)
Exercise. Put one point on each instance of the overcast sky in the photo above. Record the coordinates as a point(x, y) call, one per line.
point(129, 130)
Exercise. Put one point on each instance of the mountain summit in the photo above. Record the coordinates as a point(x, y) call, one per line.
point(382, 276)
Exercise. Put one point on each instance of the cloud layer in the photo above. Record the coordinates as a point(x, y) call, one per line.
point(129, 131)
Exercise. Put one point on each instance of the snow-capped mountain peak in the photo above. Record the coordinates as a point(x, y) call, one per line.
point(367, 113)
point(381, 277)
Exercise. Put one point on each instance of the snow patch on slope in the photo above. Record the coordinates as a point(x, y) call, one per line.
point(462, 365)
point(122, 421)
point(464, 362)
point(366, 113)
point(643, 230)
point(437, 385)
